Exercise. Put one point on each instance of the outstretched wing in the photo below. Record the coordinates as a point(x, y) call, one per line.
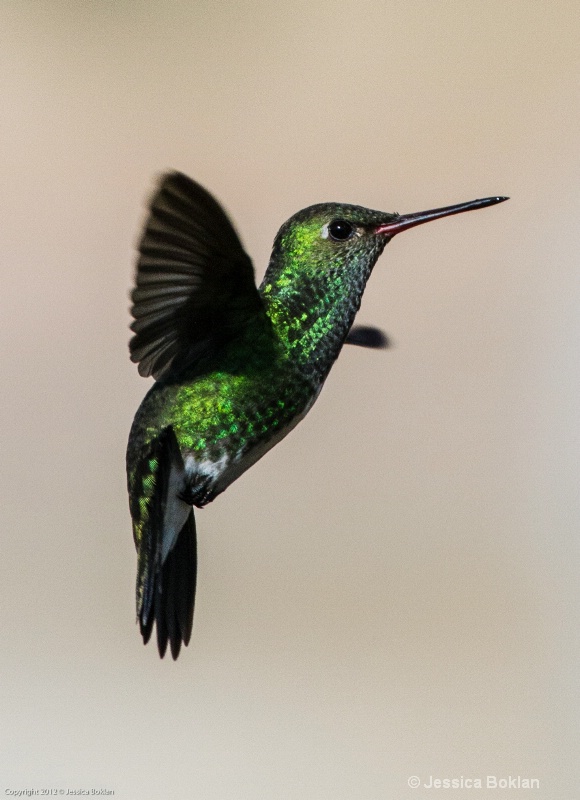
point(195, 286)
point(368, 336)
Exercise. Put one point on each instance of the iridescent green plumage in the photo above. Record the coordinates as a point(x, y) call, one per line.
point(237, 367)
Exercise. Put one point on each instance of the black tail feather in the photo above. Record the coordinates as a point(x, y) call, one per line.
point(174, 594)
point(187, 578)
point(168, 585)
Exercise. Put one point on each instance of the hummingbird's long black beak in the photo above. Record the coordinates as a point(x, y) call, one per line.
point(404, 221)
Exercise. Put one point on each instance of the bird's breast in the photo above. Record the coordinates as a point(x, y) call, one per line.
point(209, 472)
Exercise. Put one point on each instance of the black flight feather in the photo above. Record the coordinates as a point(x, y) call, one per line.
point(195, 286)
point(368, 336)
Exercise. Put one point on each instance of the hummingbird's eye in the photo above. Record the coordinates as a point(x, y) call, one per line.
point(340, 230)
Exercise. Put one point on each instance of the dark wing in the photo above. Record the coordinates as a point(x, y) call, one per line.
point(195, 285)
point(368, 336)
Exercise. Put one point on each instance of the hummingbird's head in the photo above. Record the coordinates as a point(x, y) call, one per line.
point(330, 236)
point(335, 236)
point(320, 263)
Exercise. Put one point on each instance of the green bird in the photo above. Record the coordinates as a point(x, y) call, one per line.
point(236, 366)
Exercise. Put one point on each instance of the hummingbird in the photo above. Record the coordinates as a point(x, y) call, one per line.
point(236, 366)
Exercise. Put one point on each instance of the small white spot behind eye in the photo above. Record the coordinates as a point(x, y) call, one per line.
point(324, 231)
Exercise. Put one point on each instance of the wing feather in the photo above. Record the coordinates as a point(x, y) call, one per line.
point(195, 287)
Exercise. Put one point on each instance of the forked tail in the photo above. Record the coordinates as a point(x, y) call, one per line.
point(167, 550)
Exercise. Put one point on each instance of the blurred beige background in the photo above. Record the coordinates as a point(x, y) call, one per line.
point(393, 591)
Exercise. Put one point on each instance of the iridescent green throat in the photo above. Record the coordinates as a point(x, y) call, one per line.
point(311, 298)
